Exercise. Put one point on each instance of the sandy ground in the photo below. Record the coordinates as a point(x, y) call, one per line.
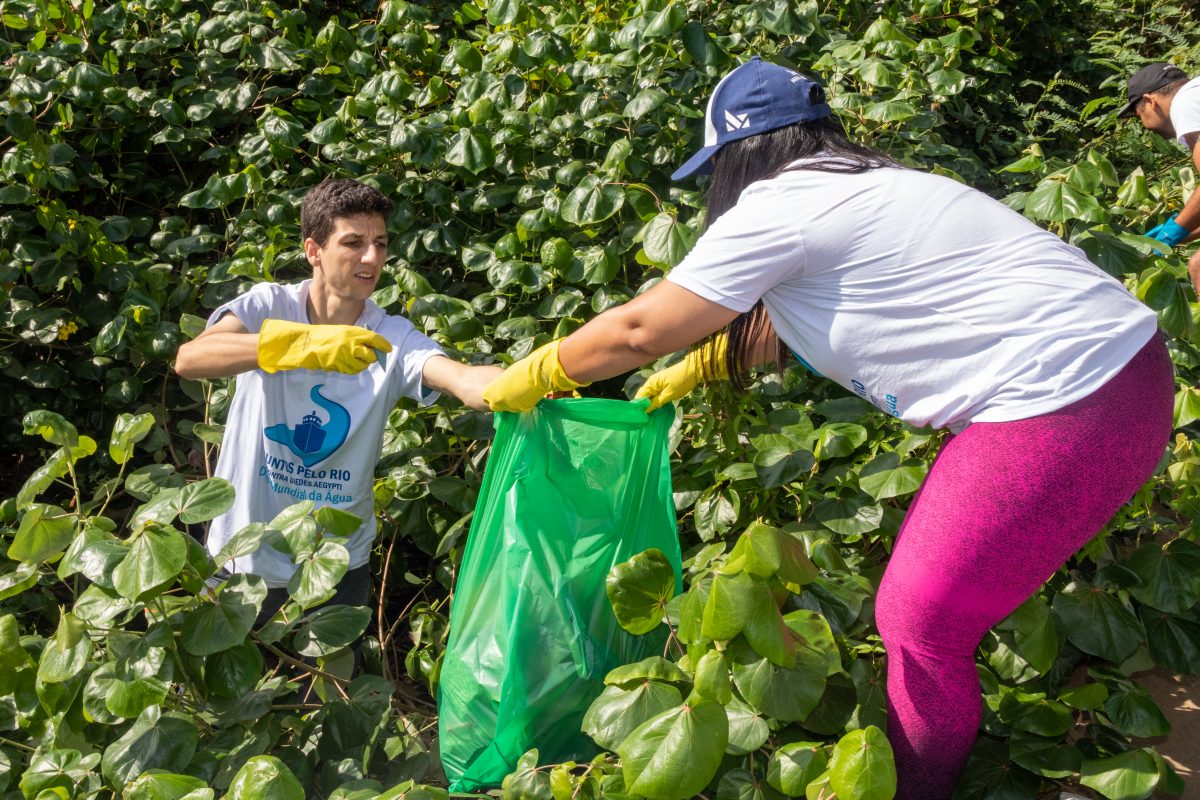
point(1179, 699)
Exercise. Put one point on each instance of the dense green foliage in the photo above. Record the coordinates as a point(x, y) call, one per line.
point(153, 155)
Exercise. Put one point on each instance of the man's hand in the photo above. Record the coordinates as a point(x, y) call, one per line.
point(334, 348)
point(1169, 233)
point(670, 384)
point(526, 382)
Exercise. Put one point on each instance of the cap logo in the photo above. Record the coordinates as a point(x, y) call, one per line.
point(735, 122)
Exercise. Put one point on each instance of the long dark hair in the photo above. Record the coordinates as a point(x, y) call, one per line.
point(824, 147)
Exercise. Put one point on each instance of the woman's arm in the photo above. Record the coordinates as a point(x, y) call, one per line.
point(662, 320)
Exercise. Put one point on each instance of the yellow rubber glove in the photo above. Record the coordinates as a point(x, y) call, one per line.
point(670, 384)
point(333, 348)
point(526, 382)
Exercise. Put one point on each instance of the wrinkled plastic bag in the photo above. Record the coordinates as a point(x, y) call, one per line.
point(571, 489)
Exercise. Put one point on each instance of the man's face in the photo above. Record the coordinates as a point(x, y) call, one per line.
point(350, 262)
point(1154, 112)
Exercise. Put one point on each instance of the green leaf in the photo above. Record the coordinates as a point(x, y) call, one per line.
point(989, 773)
point(712, 677)
point(765, 630)
point(67, 652)
point(592, 201)
point(728, 607)
point(503, 12)
point(1174, 641)
point(644, 102)
point(815, 644)
point(44, 532)
point(838, 439)
point(1046, 757)
point(1132, 775)
point(674, 754)
point(471, 151)
point(862, 766)
point(56, 769)
point(1170, 575)
point(1134, 713)
point(748, 730)
point(777, 465)
point(205, 500)
point(666, 240)
point(740, 784)
point(788, 695)
point(13, 656)
point(1035, 713)
point(795, 765)
point(1033, 630)
point(336, 521)
point(156, 740)
point(618, 711)
point(225, 622)
point(52, 427)
point(265, 778)
point(233, 672)
point(1056, 200)
point(318, 577)
point(849, 516)
point(947, 81)
point(154, 559)
point(327, 131)
point(128, 430)
point(654, 668)
point(23, 577)
point(161, 785)
point(1085, 697)
point(329, 629)
point(884, 477)
point(1097, 623)
point(639, 590)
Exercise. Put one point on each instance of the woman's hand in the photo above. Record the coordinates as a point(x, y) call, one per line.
point(525, 383)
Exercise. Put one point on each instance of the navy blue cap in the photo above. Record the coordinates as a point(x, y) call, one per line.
point(755, 98)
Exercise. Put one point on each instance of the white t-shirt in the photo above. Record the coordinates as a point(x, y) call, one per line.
point(928, 298)
point(305, 434)
point(1185, 110)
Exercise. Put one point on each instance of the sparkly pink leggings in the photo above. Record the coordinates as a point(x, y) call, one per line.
point(1003, 507)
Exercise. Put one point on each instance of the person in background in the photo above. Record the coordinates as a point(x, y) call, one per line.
point(319, 367)
point(1168, 103)
point(940, 306)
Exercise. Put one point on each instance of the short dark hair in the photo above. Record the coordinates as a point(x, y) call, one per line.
point(338, 197)
point(1170, 88)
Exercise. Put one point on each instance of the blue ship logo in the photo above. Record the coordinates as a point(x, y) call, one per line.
point(311, 441)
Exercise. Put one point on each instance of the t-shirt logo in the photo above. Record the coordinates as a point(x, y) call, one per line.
point(313, 441)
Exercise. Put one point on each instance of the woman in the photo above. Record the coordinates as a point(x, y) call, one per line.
point(940, 306)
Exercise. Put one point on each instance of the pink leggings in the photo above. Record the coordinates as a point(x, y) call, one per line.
point(1003, 507)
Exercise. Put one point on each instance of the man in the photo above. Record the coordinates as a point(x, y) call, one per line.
point(319, 367)
point(1168, 104)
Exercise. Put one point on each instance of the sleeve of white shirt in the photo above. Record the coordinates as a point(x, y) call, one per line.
point(1185, 110)
point(749, 250)
point(414, 349)
point(252, 308)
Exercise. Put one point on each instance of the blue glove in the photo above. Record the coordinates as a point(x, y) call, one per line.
point(1169, 233)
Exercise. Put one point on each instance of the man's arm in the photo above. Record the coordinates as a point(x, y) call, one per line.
point(224, 350)
point(1189, 216)
point(464, 381)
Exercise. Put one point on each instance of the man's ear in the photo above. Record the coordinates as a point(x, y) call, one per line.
point(312, 251)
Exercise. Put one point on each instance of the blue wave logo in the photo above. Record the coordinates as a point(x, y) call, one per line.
point(311, 441)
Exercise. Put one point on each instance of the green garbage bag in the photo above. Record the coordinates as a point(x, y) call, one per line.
point(571, 489)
